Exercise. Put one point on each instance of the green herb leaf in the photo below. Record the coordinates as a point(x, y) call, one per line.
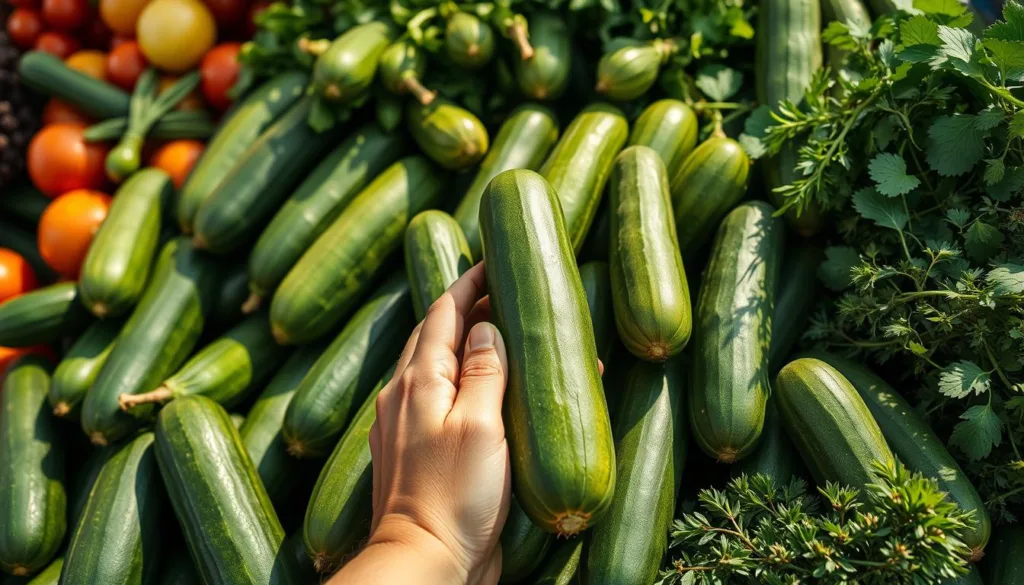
point(884, 211)
point(978, 432)
point(944, 7)
point(889, 172)
point(1007, 279)
point(919, 30)
point(982, 241)
point(1017, 124)
point(835, 270)
point(961, 378)
point(1008, 57)
point(955, 144)
point(958, 217)
point(1012, 27)
point(719, 82)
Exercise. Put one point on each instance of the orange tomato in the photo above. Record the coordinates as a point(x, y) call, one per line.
point(91, 62)
point(8, 355)
point(125, 64)
point(16, 275)
point(67, 226)
point(192, 101)
point(59, 44)
point(122, 15)
point(58, 112)
point(177, 158)
point(219, 71)
point(59, 160)
point(24, 26)
point(65, 14)
point(175, 34)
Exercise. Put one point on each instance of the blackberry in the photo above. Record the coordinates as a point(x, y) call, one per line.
point(19, 114)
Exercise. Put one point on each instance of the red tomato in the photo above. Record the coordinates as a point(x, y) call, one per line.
point(24, 26)
point(219, 71)
point(59, 160)
point(23, 3)
point(229, 14)
point(67, 227)
point(56, 43)
point(16, 276)
point(254, 10)
point(96, 35)
point(58, 112)
point(125, 64)
point(65, 14)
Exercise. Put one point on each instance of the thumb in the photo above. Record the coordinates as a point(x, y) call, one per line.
point(484, 373)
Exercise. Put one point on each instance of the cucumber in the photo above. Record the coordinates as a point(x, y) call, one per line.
point(649, 290)
point(32, 492)
point(436, 254)
point(598, 288)
point(223, 371)
point(562, 567)
point(173, 125)
point(231, 295)
point(1004, 562)
point(179, 570)
point(710, 181)
point(831, 426)
point(347, 370)
point(450, 135)
point(794, 301)
point(49, 75)
point(339, 512)
point(330, 187)
point(581, 162)
point(236, 134)
point(116, 267)
point(402, 67)
point(973, 577)
point(914, 443)
point(523, 141)
point(48, 576)
point(556, 419)
point(670, 128)
point(156, 339)
point(468, 40)
point(523, 545)
point(774, 455)
point(83, 481)
point(329, 279)
point(595, 247)
point(260, 181)
point(346, 69)
point(732, 332)
point(24, 204)
point(117, 540)
point(82, 363)
point(24, 242)
point(650, 450)
point(545, 75)
point(232, 531)
point(296, 549)
point(43, 315)
point(629, 72)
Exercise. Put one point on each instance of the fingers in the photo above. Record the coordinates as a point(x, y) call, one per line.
point(442, 328)
point(408, 351)
point(377, 466)
point(492, 569)
point(483, 377)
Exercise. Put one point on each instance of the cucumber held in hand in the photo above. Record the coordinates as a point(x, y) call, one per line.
point(43, 315)
point(545, 75)
point(523, 545)
point(436, 255)
point(559, 433)
point(649, 288)
point(346, 69)
point(670, 128)
point(451, 136)
point(82, 363)
point(402, 65)
point(597, 285)
point(468, 40)
point(629, 72)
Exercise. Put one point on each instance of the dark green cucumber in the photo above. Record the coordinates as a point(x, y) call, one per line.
point(595, 247)
point(231, 295)
point(650, 450)
point(24, 242)
point(1004, 561)
point(597, 285)
point(260, 181)
point(48, 576)
point(831, 426)
point(523, 545)
point(156, 339)
point(84, 479)
point(556, 418)
point(116, 267)
point(43, 315)
point(24, 204)
point(562, 567)
point(346, 69)
point(545, 75)
point(436, 254)
point(227, 518)
point(348, 369)
point(649, 289)
point(670, 128)
point(223, 371)
point(523, 142)
point(49, 75)
point(451, 136)
point(581, 162)
point(914, 443)
point(32, 494)
point(82, 363)
point(732, 332)
point(774, 455)
point(468, 40)
point(402, 66)
point(174, 125)
point(339, 512)
point(325, 284)
point(317, 202)
point(117, 540)
point(236, 134)
point(179, 570)
point(794, 301)
point(708, 183)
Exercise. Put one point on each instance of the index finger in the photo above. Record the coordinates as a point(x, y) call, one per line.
point(446, 318)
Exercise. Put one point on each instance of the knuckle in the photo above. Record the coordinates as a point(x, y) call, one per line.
point(482, 366)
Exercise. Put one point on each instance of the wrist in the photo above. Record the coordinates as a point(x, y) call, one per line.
point(434, 559)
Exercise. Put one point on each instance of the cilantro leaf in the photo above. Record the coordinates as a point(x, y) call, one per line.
point(754, 130)
point(884, 211)
point(835, 270)
point(978, 431)
point(889, 172)
point(955, 144)
point(719, 82)
point(1008, 57)
point(919, 53)
point(1007, 279)
point(958, 49)
point(838, 35)
point(958, 217)
point(961, 378)
point(919, 30)
point(944, 7)
point(1012, 26)
point(982, 241)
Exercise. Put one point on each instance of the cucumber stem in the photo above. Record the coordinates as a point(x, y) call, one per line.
point(252, 304)
point(571, 523)
point(517, 32)
point(315, 48)
point(421, 93)
point(130, 401)
point(61, 409)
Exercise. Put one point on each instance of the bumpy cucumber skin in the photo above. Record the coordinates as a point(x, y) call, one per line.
point(346, 69)
point(598, 287)
point(523, 142)
point(559, 433)
point(581, 162)
point(732, 333)
point(545, 75)
point(81, 365)
point(331, 276)
point(43, 315)
point(523, 545)
point(436, 254)
point(829, 423)
point(562, 567)
point(794, 301)
point(32, 495)
point(1004, 561)
point(775, 455)
point(117, 540)
point(649, 288)
point(670, 128)
point(348, 369)
point(318, 201)
point(450, 135)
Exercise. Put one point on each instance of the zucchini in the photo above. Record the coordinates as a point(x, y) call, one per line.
point(523, 545)
point(339, 512)
point(629, 72)
point(25, 243)
point(649, 290)
point(774, 455)
point(1004, 562)
point(732, 333)
point(670, 128)
point(595, 247)
point(468, 40)
point(82, 363)
point(346, 69)
point(83, 481)
point(831, 426)
point(914, 443)
point(231, 295)
point(117, 540)
point(556, 419)
point(262, 178)
point(49, 75)
point(232, 531)
point(523, 141)
point(545, 75)
point(179, 570)
point(48, 576)
point(333, 274)
point(223, 371)
point(32, 492)
point(650, 450)
point(156, 339)
point(43, 315)
point(451, 136)
point(328, 190)
point(795, 299)
point(562, 567)
point(347, 370)
point(598, 288)
point(241, 127)
point(24, 204)
point(436, 255)
point(580, 164)
point(173, 125)
point(402, 67)
point(116, 267)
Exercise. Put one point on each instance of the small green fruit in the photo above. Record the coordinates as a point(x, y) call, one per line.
point(628, 73)
point(468, 41)
point(402, 66)
point(452, 136)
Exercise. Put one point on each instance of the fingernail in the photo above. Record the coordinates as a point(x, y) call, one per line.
point(481, 337)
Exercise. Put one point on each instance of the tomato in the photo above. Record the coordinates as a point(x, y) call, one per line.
point(125, 64)
point(255, 10)
point(59, 160)
point(65, 14)
point(16, 276)
point(192, 101)
point(24, 26)
point(219, 71)
point(228, 13)
point(118, 40)
point(58, 112)
point(177, 158)
point(9, 354)
point(175, 34)
point(122, 15)
point(24, 3)
point(67, 226)
point(91, 62)
point(56, 43)
point(96, 35)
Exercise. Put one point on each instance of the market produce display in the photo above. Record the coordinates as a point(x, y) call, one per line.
point(758, 267)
